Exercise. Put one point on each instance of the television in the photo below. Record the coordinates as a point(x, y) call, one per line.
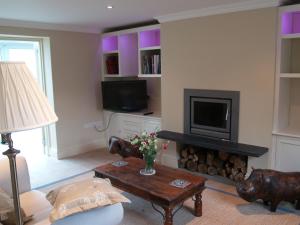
point(126, 96)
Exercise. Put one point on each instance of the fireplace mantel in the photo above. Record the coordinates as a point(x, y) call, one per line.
point(226, 146)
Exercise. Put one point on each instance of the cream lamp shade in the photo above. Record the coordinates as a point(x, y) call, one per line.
point(23, 105)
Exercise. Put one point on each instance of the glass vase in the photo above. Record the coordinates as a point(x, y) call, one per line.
point(149, 165)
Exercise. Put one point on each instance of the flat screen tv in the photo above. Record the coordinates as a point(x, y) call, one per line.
point(127, 96)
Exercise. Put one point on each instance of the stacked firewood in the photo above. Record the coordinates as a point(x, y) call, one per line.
point(213, 163)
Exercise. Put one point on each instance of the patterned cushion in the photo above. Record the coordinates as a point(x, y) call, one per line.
point(82, 196)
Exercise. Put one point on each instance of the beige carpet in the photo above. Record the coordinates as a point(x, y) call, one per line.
point(221, 206)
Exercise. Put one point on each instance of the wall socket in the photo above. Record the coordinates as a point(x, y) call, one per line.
point(98, 124)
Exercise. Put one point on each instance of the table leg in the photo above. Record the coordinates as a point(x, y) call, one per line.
point(168, 216)
point(198, 205)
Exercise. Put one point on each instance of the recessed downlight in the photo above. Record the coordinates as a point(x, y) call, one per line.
point(109, 7)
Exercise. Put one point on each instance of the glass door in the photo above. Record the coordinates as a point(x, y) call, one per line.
point(28, 51)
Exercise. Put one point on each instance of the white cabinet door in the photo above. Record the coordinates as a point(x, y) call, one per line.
point(130, 126)
point(287, 154)
point(152, 125)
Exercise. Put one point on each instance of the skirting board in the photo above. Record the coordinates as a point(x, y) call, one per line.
point(80, 149)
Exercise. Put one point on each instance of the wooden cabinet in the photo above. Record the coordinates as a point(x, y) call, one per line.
point(286, 129)
point(133, 52)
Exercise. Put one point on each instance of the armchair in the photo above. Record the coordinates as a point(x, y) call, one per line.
point(34, 202)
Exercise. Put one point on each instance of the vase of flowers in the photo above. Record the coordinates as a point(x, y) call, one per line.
point(147, 144)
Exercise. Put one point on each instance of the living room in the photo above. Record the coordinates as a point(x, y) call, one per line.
point(240, 52)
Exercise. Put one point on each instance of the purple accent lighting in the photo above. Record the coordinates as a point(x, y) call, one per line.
point(290, 23)
point(110, 44)
point(150, 38)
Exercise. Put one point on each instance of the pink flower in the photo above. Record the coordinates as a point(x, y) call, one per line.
point(165, 146)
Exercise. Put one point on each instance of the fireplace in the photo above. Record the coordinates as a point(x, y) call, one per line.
point(211, 113)
point(209, 143)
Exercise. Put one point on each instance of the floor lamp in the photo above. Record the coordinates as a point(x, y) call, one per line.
point(23, 106)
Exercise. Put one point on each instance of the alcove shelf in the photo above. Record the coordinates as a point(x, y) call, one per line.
point(132, 53)
point(289, 75)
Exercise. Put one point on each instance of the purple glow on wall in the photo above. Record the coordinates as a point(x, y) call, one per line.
point(290, 23)
point(150, 38)
point(110, 44)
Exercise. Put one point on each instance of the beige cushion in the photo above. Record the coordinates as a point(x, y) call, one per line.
point(82, 196)
point(7, 211)
point(35, 203)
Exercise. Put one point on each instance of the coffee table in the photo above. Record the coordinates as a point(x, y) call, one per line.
point(156, 189)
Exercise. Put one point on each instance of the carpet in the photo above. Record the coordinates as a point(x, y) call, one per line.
point(221, 206)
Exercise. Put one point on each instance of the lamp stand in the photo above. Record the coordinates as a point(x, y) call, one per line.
point(11, 154)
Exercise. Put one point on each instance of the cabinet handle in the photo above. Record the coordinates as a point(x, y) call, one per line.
point(226, 117)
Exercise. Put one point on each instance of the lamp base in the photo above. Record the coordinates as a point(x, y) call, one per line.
point(11, 153)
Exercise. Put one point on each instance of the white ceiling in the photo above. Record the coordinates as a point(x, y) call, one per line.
point(92, 14)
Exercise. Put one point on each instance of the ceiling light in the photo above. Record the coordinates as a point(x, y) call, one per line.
point(109, 7)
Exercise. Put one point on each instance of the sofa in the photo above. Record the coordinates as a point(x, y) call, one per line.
point(34, 202)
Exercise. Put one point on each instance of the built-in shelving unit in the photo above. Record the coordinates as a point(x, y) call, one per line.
point(132, 53)
point(135, 54)
point(287, 107)
point(286, 129)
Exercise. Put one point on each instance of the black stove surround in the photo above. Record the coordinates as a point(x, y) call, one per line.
point(212, 113)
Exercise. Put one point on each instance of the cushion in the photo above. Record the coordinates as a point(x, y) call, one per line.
point(82, 196)
point(35, 203)
point(7, 211)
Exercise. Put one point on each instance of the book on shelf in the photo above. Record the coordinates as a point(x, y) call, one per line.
point(112, 64)
point(151, 64)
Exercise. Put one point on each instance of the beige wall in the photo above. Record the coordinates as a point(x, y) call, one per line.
point(76, 77)
point(226, 52)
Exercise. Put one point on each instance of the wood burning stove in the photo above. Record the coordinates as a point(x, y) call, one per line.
point(211, 113)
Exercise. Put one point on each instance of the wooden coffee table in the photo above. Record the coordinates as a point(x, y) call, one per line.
point(155, 189)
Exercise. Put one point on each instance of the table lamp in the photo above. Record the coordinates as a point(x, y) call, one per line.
point(23, 106)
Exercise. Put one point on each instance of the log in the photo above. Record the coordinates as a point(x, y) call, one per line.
point(195, 158)
point(201, 157)
point(191, 165)
point(202, 168)
point(218, 163)
point(184, 153)
point(222, 172)
point(239, 163)
point(234, 172)
point(239, 177)
point(223, 155)
point(244, 170)
point(228, 171)
point(182, 163)
point(191, 150)
point(211, 170)
point(232, 159)
point(209, 158)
